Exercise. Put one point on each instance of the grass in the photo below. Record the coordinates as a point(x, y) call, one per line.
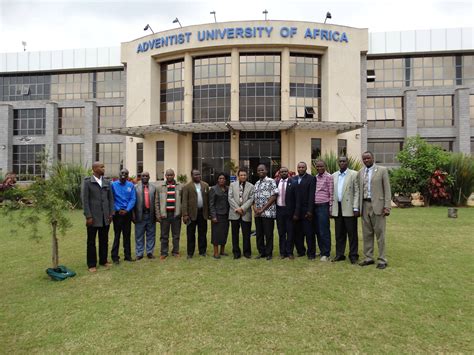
point(423, 302)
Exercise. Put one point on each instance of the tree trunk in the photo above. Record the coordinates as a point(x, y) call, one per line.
point(55, 256)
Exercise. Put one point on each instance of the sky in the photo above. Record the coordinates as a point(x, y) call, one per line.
point(65, 24)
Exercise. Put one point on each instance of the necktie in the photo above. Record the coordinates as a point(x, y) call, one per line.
point(147, 197)
point(283, 193)
point(366, 183)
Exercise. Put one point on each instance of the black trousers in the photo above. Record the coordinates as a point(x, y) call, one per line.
point(246, 227)
point(304, 229)
point(285, 231)
point(201, 224)
point(122, 225)
point(346, 228)
point(264, 230)
point(103, 245)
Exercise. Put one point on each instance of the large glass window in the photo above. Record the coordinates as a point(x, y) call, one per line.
point(389, 72)
point(315, 150)
point(305, 87)
point(260, 88)
point(434, 111)
point(446, 145)
point(342, 147)
point(25, 87)
point(384, 112)
point(107, 84)
point(70, 153)
point(27, 161)
point(260, 148)
point(211, 154)
point(172, 92)
point(160, 160)
point(139, 158)
point(29, 122)
point(71, 86)
point(385, 151)
point(110, 117)
point(71, 121)
point(111, 155)
point(433, 71)
point(211, 98)
point(468, 70)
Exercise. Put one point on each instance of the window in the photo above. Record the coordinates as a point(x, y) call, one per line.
point(211, 154)
point(434, 111)
point(25, 87)
point(211, 98)
point(27, 161)
point(389, 72)
point(71, 121)
point(342, 147)
point(434, 71)
point(172, 92)
point(446, 145)
point(260, 88)
point(109, 117)
point(305, 87)
point(160, 160)
point(107, 84)
point(468, 70)
point(71, 86)
point(70, 153)
point(111, 155)
point(385, 112)
point(139, 158)
point(315, 149)
point(29, 122)
point(385, 151)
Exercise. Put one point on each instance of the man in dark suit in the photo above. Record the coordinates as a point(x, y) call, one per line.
point(98, 206)
point(195, 210)
point(144, 217)
point(303, 214)
point(375, 200)
point(284, 216)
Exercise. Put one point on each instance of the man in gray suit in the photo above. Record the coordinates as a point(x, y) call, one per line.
point(98, 205)
point(375, 202)
point(144, 217)
point(241, 193)
point(345, 210)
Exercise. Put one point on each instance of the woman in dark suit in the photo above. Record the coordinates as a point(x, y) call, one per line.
point(219, 210)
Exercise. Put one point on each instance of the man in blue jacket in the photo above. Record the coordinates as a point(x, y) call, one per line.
point(124, 202)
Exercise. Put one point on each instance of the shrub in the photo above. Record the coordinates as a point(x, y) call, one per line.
point(73, 175)
point(460, 167)
point(331, 160)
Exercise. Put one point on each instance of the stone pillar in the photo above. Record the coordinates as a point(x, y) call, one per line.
point(51, 132)
point(188, 88)
point(285, 84)
point(462, 121)
point(234, 85)
point(409, 113)
point(6, 139)
point(155, 78)
point(363, 102)
point(90, 133)
point(235, 147)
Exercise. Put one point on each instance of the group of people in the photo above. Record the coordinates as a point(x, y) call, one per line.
point(301, 205)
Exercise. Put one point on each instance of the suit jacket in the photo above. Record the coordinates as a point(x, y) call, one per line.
point(139, 205)
point(97, 202)
point(290, 197)
point(304, 195)
point(189, 202)
point(350, 194)
point(247, 201)
point(162, 194)
point(381, 193)
point(218, 201)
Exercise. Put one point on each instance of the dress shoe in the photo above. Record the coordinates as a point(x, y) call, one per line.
point(269, 257)
point(224, 254)
point(176, 255)
point(189, 257)
point(366, 262)
point(247, 257)
point(324, 258)
point(163, 257)
point(259, 257)
point(311, 257)
point(203, 255)
point(151, 256)
point(283, 257)
point(129, 260)
point(291, 257)
point(139, 257)
point(116, 262)
point(236, 257)
point(216, 256)
point(354, 261)
point(382, 266)
point(92, 269)
point(301, 255)
point(107, 264)
point(339, 258)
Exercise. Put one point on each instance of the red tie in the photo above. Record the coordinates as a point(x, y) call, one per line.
point(147, 198)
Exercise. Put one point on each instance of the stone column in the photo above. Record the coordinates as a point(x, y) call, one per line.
point(51, 132)
point(188, 88)
point(409, 113)
point(285, 84)
point(235, 147)
point(462, 121)
point(363, 103)
point(90, 133)
point(234, 85)
point(6, 139)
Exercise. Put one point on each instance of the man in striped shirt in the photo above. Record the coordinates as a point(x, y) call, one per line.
point(322, 208)
point(168, 213)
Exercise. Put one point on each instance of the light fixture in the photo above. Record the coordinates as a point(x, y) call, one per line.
point(328, 15)
point(357, 135)
point(23, 43)
point(148, 27)
point(3, 147)
point(177, 21)
point(214, 13)
point(265, 12)
point(131, 139)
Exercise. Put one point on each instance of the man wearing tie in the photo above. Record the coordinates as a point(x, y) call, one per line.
point(345, 210)
point(284, 216)
point(375, 202)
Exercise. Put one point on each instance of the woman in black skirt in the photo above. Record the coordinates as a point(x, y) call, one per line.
point(219, 210)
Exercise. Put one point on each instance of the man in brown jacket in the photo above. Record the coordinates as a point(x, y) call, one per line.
point(195, 211)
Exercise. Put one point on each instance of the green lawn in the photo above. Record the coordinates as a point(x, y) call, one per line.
point(423, 302)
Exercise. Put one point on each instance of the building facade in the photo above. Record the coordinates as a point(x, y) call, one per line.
point(230, 94)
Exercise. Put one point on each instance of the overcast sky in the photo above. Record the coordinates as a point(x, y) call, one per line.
point(61, 24)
